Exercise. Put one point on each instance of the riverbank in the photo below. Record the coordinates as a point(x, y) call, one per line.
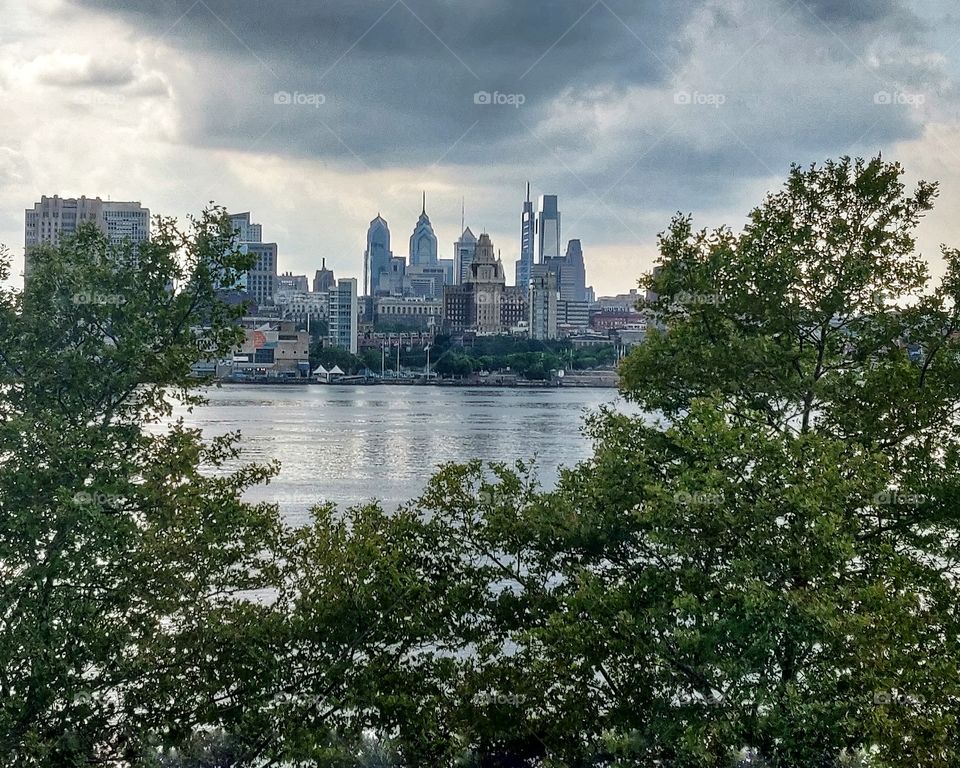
point(593, 379)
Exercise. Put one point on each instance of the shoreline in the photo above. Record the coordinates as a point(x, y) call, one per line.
point(593, 383)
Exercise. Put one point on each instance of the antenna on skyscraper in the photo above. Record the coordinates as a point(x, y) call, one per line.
point(463, 208)
point(528, 191)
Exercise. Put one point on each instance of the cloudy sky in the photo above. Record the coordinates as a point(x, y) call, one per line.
point(629, 110)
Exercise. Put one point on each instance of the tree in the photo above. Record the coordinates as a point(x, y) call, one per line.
point(771, 569)
point(145, 607)
point(328, 356)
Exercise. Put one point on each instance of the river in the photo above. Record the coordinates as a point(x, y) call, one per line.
point(348, 444)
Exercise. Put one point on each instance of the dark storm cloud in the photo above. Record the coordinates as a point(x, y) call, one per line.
point(398, 81)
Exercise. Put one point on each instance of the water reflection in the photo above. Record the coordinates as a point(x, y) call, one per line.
point(351, 444)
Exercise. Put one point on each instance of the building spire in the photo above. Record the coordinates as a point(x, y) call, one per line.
point(528, 191)
point(463, 217)
point(423, 211)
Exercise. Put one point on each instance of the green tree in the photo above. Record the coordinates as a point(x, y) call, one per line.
point(144, 605)
point(769, 571)
point(322, 353)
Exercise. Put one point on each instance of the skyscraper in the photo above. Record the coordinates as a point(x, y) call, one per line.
point(56, 217)
point(573, 274)
point(548, 228)
point(463, 250)
point(423, 241)
point(528, 227)
point(376, 259)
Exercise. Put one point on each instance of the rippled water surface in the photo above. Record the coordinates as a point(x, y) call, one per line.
point(351, 443)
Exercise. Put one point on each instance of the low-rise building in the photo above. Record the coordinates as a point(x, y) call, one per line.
point(272, 348)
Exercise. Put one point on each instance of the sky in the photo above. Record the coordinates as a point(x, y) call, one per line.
point(316, 115)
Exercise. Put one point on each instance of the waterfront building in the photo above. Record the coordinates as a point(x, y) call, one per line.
point(548, 228)
point(423, 241)
point(343, 311)
point(376, 258)
point(54, 218)
point(528, 230)
point(463, 250)
point(272, 348)
point(542, 300)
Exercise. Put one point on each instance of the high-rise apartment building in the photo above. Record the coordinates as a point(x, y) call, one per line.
point(542, 302)
point(342, 312)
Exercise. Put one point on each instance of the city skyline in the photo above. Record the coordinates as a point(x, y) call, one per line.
point(674, 116)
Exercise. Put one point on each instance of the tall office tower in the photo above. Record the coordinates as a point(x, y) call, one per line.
point(528, 233)
point(573, 274)
point(542, 305)
point(423, 241)
point(56, 217)
point(376, 259)
point(343, 311)
point(548, 228)
point(463, 250)
point(260, 281)
point(323, 279)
